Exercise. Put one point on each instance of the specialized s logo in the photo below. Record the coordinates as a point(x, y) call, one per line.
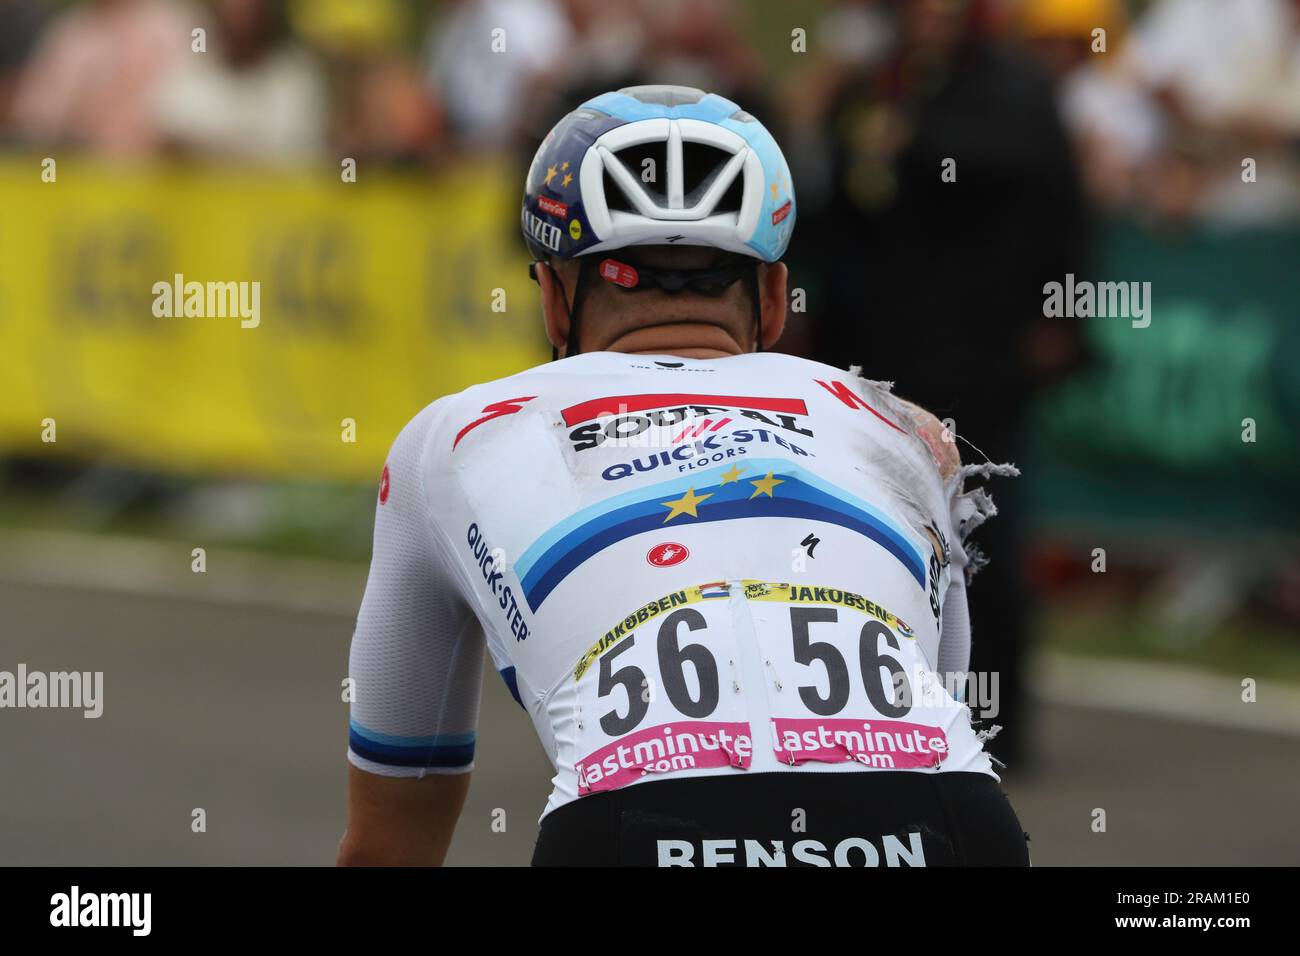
point(495, 410)
point(854, 400)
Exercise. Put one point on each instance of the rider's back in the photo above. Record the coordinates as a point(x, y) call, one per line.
point(682, 568)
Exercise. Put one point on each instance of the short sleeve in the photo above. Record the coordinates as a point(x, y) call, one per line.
point(417, 652)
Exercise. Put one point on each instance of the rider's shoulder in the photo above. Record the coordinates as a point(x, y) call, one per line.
point(780, 363)
point(443, 419)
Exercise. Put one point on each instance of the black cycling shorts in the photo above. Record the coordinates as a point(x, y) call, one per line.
point(880, 818)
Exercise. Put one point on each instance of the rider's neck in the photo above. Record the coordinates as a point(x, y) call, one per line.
point(693, 353)
point(685, 339)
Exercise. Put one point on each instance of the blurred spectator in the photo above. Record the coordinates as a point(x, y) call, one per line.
point(605, 52)
point(1164, 115)
point(381, 108)
point(1117, 126)
point(609, 38)
point(1227, 73)
point(702, 43)
point(485, 57)
point(93, 77)
point(1220, 62)
point(254, 94)
point(853, 37)
point(619, 43)
point(23, 20)
point(937, 285)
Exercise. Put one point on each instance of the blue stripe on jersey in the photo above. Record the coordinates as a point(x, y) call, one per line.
point(444, 750)
point(676, 487)
point(512, 683)
point(800, 495)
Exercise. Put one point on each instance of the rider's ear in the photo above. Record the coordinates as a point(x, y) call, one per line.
point(555, 304)
point(772, 278)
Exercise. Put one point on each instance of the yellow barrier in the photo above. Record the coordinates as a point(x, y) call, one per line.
point(373, 299)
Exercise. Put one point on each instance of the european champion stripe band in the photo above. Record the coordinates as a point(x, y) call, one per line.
point(787, 491)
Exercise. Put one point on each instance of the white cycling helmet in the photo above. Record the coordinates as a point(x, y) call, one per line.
point(658, 165)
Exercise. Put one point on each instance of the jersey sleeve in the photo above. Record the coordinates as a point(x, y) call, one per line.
point(968, 509)
point(954, 634)
point(417, 653)
point(954, 640)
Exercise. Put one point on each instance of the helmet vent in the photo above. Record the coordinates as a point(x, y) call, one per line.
point(731, 199)
point(664, 95)
point(615, 199)
point(652, 176)
point(702, 164)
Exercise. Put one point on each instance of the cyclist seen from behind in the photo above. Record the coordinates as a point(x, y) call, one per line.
point(726, 585)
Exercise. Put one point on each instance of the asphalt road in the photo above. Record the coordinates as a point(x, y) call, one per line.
point(236, 709)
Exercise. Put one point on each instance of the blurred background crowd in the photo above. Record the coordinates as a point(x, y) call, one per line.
point(1150, 110)
point(1125, 140)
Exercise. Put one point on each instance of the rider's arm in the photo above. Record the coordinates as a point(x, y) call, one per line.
point(416, 668)
point(401, 821)
point(954, 641)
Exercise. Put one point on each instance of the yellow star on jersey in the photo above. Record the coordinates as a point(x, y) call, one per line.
point(764, 486)
point(730, 475)
point(564, 165)
point(550, 174)
point(685, 505)
point(568, 178)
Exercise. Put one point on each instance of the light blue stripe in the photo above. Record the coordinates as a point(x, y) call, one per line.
point(711, 108)
point(676, 486)
point(769, 240)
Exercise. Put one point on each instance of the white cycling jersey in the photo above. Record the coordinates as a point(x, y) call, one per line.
point(681, 568)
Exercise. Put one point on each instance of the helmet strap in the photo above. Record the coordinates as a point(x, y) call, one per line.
point(579, 291)
point(580, 287)
point(586, 268)
point(751, 284)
